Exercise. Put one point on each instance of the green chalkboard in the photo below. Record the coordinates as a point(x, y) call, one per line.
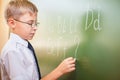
point(88, 30)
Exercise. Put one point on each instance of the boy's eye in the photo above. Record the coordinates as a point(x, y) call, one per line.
point(29, 23)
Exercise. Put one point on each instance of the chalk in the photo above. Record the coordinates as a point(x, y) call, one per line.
point(75, 59)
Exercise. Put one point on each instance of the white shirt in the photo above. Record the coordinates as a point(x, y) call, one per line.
point(17, 61)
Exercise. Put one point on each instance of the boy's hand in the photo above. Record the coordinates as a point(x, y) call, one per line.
point(67, 65)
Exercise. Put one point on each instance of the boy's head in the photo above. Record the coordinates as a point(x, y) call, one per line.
point(21, 16)
point(17, 8)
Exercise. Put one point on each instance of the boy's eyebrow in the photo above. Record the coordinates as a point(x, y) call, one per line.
point(31, 21)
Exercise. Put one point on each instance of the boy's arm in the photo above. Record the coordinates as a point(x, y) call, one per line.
point(66, 66)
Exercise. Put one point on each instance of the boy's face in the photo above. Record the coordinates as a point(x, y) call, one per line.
point(25, 26)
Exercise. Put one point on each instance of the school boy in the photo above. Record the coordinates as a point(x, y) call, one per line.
point(18, 59)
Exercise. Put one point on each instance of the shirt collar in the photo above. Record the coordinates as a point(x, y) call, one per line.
point(18, 39)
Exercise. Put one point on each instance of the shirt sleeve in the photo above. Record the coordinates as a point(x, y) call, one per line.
point(14, 65)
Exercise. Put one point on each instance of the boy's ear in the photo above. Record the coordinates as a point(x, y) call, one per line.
point(11, 23)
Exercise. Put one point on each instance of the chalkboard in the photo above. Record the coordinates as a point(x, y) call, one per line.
point(88, 30)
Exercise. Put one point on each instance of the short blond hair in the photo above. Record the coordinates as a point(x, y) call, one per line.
point(17, 8)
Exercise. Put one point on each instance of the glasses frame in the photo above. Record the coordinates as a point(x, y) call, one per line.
point(30, 24)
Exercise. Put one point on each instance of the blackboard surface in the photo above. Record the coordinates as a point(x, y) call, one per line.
point(88, 30)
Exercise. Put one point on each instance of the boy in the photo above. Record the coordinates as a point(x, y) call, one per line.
point(18, 60)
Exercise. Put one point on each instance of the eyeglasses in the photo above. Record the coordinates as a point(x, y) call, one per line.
point(30, 24)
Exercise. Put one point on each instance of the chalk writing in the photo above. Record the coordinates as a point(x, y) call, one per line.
point(93, 20)
point(77, 42)
point(69, 27)
point(63, 25)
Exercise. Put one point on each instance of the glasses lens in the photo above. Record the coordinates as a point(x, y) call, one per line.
point(36, 25)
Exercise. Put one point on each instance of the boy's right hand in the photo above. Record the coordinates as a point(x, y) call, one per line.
point(67, 65)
